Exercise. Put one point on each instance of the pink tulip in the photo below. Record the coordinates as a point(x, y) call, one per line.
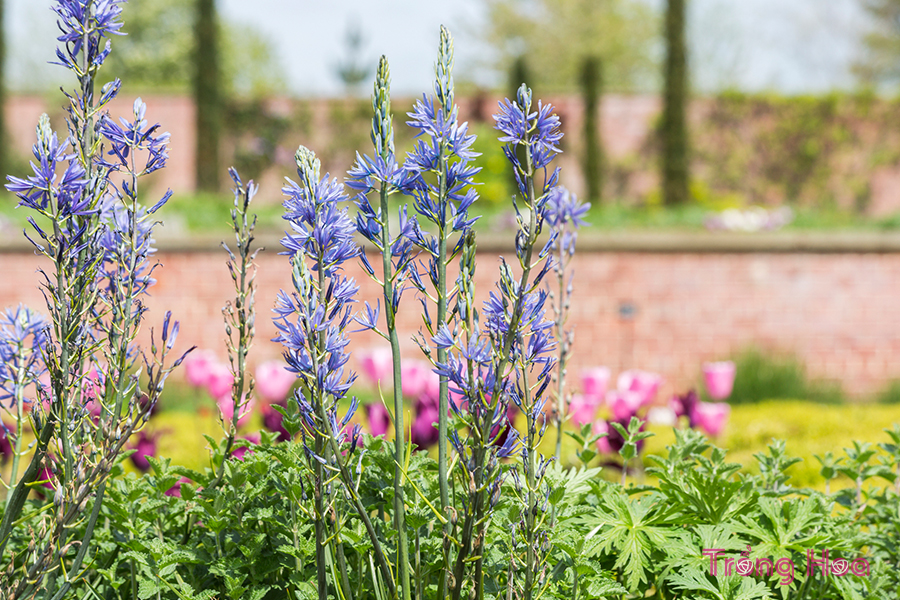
point(644, 383)
point(594, 382)
point(719, 378)
point(710, 416)
point(226, 408)
point(423, 433)
point(175, 490)
point(379, 418)
point(683, 406)
point(603, 446)
point(219, 380)
point(415, 374)
point(377, 364)
point(274, 381)
point(239, 453)
point(583, 409)
point(197, 366)
point(625, 404)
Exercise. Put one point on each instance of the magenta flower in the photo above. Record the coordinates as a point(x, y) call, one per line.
point(594, 382)
point(379, 418)
point(6, 449)
point(175, 490)
point(377, 364)
point(197, 367)
point(625, 404)
point(583, 409)
point(274, 420)
point(613, 441)
point(145, 446)
point(644, 383)
point(719, 378)
point(274, 381)
point(239, 452)
point(683, 406)
point(423, 433)
point(711, 417)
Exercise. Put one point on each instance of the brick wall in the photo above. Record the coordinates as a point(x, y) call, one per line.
point(837, 311)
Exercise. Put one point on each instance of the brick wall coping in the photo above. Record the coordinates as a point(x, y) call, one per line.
point(665, 242)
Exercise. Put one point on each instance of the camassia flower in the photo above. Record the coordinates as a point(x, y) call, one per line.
point(313, 318)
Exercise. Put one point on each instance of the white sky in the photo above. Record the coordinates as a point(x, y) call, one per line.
point(786, 45)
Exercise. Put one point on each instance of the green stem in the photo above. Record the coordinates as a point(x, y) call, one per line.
point(399, 428)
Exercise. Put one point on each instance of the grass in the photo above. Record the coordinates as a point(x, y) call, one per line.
point(772, 376)
point(210, 213)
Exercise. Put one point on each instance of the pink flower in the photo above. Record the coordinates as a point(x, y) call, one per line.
point(603, 446)
point(219, 380)
point(711, 417)
point(175, 490)
point(274, 381)
point(625, 404)
point(226, 408)
point(594, 382)
point(379, 418)
point(645, 383)
point(583, 409)
point(197, 367)
point(377, 364)
point(415, 375)
point(239, 452)
point(719, 378)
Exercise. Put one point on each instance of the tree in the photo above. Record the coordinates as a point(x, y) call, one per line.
point(881, 62)
point(675, 158)
point(207, 95)
point(157, 52)
point(591, 91)
point(556, 34)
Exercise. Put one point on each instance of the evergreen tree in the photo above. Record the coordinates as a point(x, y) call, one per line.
point(591, 91)
point(675, 159)
point(207, 95)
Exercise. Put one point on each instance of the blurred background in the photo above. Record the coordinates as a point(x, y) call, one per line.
point(742, 161)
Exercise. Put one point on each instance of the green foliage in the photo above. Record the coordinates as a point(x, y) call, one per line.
point(879, 65)
point(556, 34)
point(157, 52)
point(803, 150)
point(890, 394)
point(768, 376)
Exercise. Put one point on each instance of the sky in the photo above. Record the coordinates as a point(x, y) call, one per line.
point(791, 46)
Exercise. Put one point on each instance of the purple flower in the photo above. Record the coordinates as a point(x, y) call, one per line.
point(23, 338)
point(144, 447)
point(274, 421)
point(131, 137)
